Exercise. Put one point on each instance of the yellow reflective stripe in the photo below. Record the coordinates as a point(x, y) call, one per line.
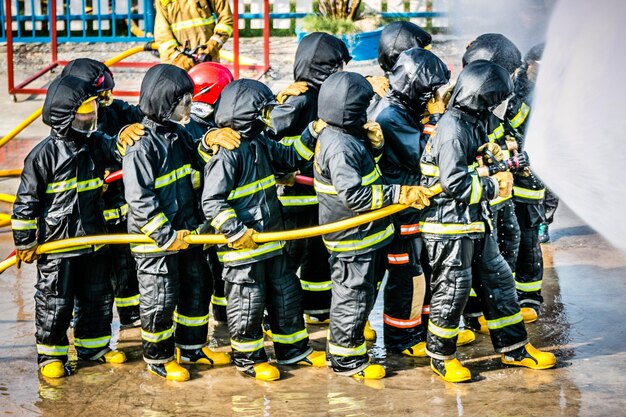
point(504, 321)
point(377, 196)
point(61, 186)
point(121, 149)
point(253, 187)
point(163, 47)
point(190, 321)
point(377, 158)
point(206, 157)
point(371, 177)
point(302, 150)
point(89, 185)
point(221, 218)
point(452, 228)
point(429, 170)
point(446, 333)
point(127, 301)
point(298, 200)
point(337, 350)
point(247, 346)
point(477, 190)
point(145, 248)
point(154, 224)
point(218, 301)
point(52, 350)
point(352, 245)
point(528, 193)
point(196, 179)
point(316, 286)
point(320, 187)
point(473, 293)
point(497, 133)
point(222, 27)
point(115, 213)
point(157, 337)
point(17, 224)
point(289, 339)
point(173, 176)
point(97, 342)
point(243, 254)
point(191, 23)
point(520, 117)
point(499, 200)
point(288, 140)
point(528, 286)
point(75, 248)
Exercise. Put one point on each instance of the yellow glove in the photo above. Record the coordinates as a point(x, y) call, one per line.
point(318, 125)
point(213, 47)
point(27, 255)
point(288, 180)
point(374, 134)
point(179, 243)
point(295, 89)
point(494, 148)
point(183, 61)
point(245, 241)
point(379, 83)
point(415, 196)
point(511, 143)
point(131, 134)
point(225, 138)
point(436, 105)
point(505, 183)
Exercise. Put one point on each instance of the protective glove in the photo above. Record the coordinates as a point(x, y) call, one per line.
point(179, 243)
point(415, 196)
point(436, 105)
point(511, 143)
point(27, 255)
point(494, 148)
point(225, 138)
point(183, 61)
point(318, 125)
point(374, 134)
point(131, 134)
point(505, 183)
point(213, 47)
point(379, 83)
point(245, 241)
point(295, 89)
point(288, 180)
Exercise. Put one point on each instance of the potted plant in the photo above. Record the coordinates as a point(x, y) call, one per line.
point(348, 20)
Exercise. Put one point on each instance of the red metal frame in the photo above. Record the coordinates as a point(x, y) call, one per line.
point(55, 62)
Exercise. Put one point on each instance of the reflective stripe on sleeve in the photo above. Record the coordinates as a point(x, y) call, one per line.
point(252, 188)
point(241, 255)
point(528, 193)
point(223, 217)
point(520, 117)
point(154, 224)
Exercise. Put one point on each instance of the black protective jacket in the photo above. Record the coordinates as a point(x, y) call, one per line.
point(461, 210)
point(318, 56)
point(157, 169)
point(60, 191)
point(417, 73)
point(347, 180)
point(240, 187)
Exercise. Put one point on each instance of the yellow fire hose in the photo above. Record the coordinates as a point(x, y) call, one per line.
point(221, 239)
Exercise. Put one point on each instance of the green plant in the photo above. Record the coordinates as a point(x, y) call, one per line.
point(332, 25)
point(340, 9)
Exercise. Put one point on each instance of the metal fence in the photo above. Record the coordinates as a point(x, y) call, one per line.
point(133, 20)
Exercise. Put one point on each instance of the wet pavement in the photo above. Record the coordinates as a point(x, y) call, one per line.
point(581, 322)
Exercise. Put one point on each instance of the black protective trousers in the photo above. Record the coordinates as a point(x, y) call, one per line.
point(124, 278)
point(308, 258)
point(353, 296)
point(251, 289)
point(79, 284)
point(529, 270)
point(218, 298)
point(404, 294)
point(507, 232)
point(457, 266)
point(174, 288)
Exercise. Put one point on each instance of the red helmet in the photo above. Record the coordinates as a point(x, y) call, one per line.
point(209, 80)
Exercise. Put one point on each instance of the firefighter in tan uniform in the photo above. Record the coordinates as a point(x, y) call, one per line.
point(187, 24)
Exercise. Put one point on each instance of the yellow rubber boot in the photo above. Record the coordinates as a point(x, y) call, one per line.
point(529, 314)
point(171, 371)
point(369, 333)
point(529, 357)
point(263, 372)
point(53, 370)
point(373, 371)
point(484, 329)
point(416, 351)
point(114, 356)
point(203, 356)
point(466, 336)
point(450, 370)
point(316, 359)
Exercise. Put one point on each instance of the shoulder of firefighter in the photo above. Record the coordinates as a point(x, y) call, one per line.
point(189, 24)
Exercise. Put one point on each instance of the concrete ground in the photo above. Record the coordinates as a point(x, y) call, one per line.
point(581, 322)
